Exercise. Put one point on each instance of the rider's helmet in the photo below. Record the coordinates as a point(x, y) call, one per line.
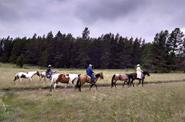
point(138, 65)
point(49, 66)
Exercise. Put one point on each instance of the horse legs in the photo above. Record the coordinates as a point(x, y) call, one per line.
point(93, 84)
point(79, 87)
point(114, 84)
point(139, 82)
point(142, 82)
point(131, 83)
point(123, 83)
point(30, 79)
point(55, 85)
point(96, 86)
point(51, 87)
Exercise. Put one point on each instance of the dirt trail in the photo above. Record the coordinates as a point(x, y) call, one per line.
point(18, 89)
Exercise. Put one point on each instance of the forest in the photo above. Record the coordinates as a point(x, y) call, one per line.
point(165, 53)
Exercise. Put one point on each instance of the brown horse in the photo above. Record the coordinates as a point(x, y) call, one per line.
point(61, 78)
point(82, 79)
point(121, 77)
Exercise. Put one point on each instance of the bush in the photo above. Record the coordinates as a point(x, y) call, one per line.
point(20, 61)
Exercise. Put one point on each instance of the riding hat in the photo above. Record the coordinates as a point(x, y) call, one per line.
point(138, 65)
point(49, 65)
point(90, 65)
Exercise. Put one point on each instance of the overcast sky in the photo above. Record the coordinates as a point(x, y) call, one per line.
point(137, 18)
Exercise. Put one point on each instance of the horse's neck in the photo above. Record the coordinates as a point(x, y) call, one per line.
point(31, 73)
point(144, 73)
point(97, 76)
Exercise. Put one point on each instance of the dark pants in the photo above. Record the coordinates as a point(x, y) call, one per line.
point(93, 78)
point(48, 75)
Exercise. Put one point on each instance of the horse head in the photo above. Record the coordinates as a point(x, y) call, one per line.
point(99, 75)
point(146, 73)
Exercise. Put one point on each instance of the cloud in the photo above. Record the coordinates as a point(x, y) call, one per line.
point(107, 9)
point(137, 18)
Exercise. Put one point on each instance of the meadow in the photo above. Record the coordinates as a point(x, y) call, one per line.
point(32, 102)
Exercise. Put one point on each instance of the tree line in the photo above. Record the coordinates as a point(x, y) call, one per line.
point(109, 51)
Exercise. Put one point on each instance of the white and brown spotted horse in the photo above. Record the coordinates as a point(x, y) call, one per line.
point(26, 75)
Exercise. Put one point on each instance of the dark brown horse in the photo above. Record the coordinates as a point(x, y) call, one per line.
point(121, 77)
point(133, 76)
point(82, 79)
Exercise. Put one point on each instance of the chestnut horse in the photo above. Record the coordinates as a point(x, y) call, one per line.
point(121, 77)
point(82, 79)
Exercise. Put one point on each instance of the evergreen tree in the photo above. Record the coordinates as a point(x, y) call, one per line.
point(174, 43)
point(159, 52)
point(85, 33)
point(20, 61)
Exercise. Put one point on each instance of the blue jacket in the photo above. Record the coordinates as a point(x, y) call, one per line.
point(89, 71)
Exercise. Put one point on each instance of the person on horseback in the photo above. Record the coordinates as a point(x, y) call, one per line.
point(49, 72)
point(90, 72)
point(139, 71)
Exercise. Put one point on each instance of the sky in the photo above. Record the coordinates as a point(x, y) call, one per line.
point(129, 18)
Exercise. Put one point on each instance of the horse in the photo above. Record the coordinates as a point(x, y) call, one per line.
point(133, 76)
point(82, 79)
point(121, 77)
point(26, 75)
point(63, 78)
point(43, 75)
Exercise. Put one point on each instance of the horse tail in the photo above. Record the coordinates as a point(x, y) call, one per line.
point(112, 81)
point(15, 78)
point(78, 81)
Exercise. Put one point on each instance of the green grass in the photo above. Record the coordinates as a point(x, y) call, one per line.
point(151, 103)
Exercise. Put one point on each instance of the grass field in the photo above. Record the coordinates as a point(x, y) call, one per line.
point(151, 103)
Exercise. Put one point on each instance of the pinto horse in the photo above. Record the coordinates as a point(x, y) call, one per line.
point(133, 76)
point(43, 75)
point(121, 77)
point(82, 79)
point(63, 78)
point(26, 75)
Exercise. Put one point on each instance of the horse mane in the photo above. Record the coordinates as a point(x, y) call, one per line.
point(97, 75)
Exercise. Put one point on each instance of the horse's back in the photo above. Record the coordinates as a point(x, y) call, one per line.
point(84, 77)
point(43, 73)
point(20, 73)
point(121, 76)
point(73, 76)
point(63, 78)
point(54, 77)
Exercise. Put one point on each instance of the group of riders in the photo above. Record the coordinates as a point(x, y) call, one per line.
point(90, 72)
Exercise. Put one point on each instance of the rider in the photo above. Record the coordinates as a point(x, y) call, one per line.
point(139, 71)
point(49, 72)
point(90, 72)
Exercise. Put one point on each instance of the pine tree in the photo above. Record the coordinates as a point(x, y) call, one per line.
point(85, 33)
point(20, 61)
point(159, 52)
point(174, 43)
